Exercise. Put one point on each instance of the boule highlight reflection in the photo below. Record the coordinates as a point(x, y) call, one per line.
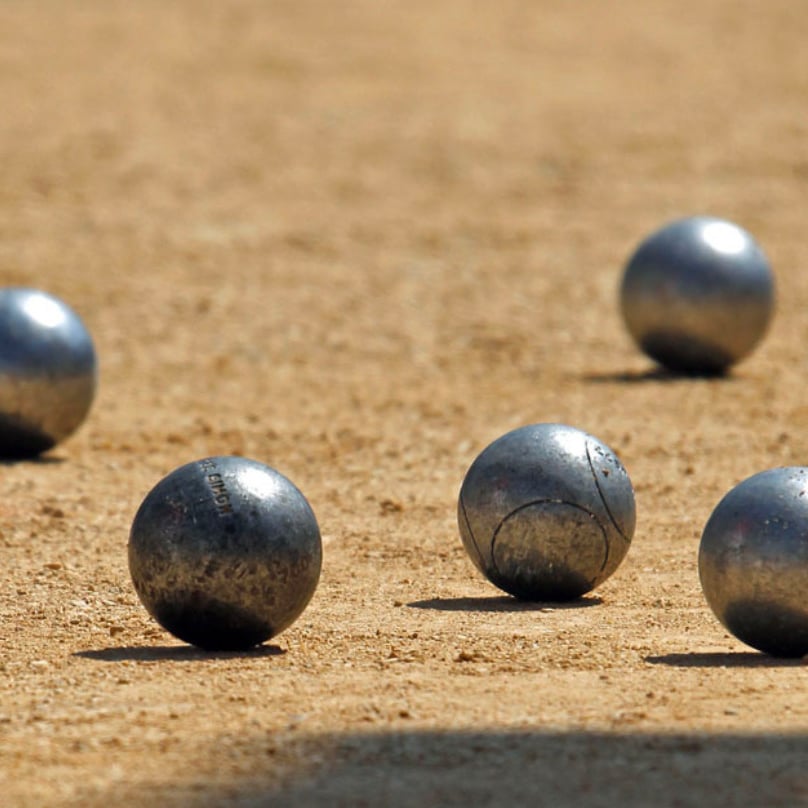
point(225, 553)
point(546, 512)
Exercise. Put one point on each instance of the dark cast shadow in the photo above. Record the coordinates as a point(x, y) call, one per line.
point(501, 603)
point(174, 653)
point(36, 460)
point(655, 374)
point(717, 659)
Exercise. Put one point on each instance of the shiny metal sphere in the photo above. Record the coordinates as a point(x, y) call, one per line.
point(753, 561)
point(225, 553)
point(697, 295)
point(546, 512)
point(48, 372)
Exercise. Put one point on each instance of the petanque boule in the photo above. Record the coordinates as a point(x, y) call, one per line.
point(225, 553)
point(48, 372)
point(546, 512)
point(753, 561)
point(697, 295)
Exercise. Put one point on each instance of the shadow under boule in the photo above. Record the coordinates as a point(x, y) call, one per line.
point(501, 603)
point(174, 653)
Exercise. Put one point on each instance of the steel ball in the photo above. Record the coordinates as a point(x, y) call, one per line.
point(753, 561)
point(48, 372)
point(697, 295)
point(225, 553)
point(546, 512)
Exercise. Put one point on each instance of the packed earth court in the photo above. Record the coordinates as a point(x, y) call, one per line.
point(403, 404)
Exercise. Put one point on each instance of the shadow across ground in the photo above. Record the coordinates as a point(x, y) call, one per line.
point(414, 769)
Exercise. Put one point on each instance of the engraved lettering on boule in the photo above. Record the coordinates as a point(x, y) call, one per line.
point(216, 484)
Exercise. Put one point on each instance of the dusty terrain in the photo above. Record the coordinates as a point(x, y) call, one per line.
point(358, 241)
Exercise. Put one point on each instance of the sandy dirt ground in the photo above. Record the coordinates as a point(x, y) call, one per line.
point(358, 241)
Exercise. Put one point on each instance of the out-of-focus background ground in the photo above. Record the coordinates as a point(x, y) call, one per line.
point(358, 241)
